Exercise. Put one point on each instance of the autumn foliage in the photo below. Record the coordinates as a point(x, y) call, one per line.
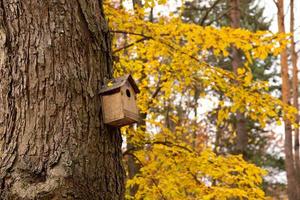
point(171, 61)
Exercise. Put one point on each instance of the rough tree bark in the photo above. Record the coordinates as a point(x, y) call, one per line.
point(241, 130)
point(288, 143)
point(54, 56)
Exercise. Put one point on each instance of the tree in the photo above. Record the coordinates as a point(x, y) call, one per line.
point(241, 129)
point(54, 56)
point(292, 186)
point(295, 89)
point(247, 14)
point(169, 58)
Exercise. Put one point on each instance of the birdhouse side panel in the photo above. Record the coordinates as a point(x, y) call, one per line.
point(112, 107)
point(129, 103)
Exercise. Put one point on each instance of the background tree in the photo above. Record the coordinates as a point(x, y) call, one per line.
point(218, 13)
point(174, 55)
point(292, 186)
point(241, 128)
point(54, 57)
point(295, 88)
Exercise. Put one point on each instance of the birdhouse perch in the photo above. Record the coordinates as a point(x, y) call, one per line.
point(119, 104)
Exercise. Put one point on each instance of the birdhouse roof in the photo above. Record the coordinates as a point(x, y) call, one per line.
point(114, 85)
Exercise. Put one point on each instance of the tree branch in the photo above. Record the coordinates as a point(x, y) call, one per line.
point(131, 44)
point(130, 33)
point(219, 17)
point(166, 143)
point(152, 180)
point(208, 11)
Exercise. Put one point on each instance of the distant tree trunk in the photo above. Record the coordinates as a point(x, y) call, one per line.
point(295, 85)
point(54, 56)
point(133, 169)
point(241, 129)
point(137, 3)
point(288, 144)
point(132, 164)
point(295, 95)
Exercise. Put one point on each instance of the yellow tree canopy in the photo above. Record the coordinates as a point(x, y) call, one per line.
point(175, 173)
point(172, 55)
point(169, 59)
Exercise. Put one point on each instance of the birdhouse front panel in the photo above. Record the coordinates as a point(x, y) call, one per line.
point(112, 107)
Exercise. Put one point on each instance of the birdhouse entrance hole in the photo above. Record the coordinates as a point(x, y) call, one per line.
point(128, 93)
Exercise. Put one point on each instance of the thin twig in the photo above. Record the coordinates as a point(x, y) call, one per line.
point(131, 44)
point(166, 143)
point(219, 17)
point(126, 32)
point(208, 11)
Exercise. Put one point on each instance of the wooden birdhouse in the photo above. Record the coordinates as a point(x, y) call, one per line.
point(119, 104)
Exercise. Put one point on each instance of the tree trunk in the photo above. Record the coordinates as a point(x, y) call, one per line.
point(132, 164)
point(241, 130)
point(288, 143)
point(295, 96)
point(54, 56)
